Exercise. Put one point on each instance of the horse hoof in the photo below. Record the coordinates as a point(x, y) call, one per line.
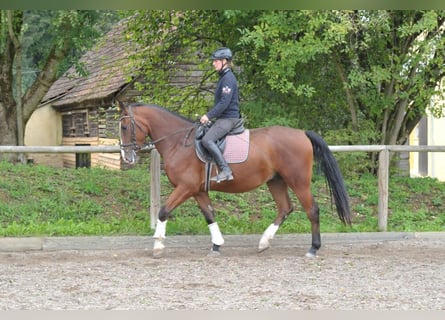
point(157, 254)
point(158, 248)
point(263, 245)
point(214, 254)
point(311, 253)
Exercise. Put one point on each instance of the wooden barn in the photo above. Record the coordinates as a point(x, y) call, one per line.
point(80, 109)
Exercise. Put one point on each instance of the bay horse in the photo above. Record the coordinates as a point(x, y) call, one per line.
point(279, 156)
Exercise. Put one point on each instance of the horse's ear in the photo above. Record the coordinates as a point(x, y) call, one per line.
point(121, 106)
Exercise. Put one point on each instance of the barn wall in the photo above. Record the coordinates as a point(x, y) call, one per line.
point(103, 160)
point(108, 160)
point(69, 159)
point(44, 128)
point(91, 126)
point(94, 122)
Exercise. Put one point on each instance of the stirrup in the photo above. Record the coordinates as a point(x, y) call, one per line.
point(222, 176)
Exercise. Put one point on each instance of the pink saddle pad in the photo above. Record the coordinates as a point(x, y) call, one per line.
point(237, 147)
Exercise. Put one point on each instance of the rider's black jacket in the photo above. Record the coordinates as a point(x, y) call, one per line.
point(226, 97)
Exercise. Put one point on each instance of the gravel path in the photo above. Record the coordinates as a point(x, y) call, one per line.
point(389, 275)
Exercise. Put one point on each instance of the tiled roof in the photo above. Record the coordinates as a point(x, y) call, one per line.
point(106, 66)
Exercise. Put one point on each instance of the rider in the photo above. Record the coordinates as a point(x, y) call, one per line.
point(225, 111)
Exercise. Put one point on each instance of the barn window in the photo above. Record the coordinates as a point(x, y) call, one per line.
point(77, 124)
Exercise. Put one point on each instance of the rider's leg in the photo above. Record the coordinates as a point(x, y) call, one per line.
point(218, 130)
point(225, 172)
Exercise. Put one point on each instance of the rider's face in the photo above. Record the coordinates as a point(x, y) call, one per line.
point(218, 64)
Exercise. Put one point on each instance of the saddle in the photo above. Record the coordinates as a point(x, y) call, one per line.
point(225, 144)
point(234, 147)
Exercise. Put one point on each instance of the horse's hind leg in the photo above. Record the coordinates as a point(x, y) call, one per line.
point(306, 199)
point(278, 189)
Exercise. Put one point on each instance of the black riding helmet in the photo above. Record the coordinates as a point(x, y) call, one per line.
point(222, 53)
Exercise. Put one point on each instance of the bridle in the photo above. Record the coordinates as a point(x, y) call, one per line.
point(133, 126)
point(151, 144)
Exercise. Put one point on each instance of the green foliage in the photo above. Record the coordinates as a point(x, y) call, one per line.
point(425, 196)
point(175, 38)
point(280, 47)
point(321, 70)
point(37, 201)
point(254, 114)
point(44, 27)
point(65, 199)
point(356, 43)
point(360, 161)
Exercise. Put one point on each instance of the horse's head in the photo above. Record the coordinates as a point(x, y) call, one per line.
point(131, 134)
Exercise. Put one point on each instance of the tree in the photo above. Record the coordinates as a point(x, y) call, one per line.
point(66, 34)
point(168, 38)
point(384, 68)
point(367, 76)
point(388, 63)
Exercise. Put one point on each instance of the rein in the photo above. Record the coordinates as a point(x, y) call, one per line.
point(187, 136)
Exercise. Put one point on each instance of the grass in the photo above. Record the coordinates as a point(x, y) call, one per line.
point(42, 201)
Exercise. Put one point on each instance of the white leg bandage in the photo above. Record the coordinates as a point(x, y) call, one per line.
point(268, 235)
point(216, 234)
point(160, 229)
point(270, 231)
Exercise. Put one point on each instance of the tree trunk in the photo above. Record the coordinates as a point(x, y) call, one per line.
point(18, 80)
point(46, 78)
point(8, 111)
point(8, 131)
point(15, 113)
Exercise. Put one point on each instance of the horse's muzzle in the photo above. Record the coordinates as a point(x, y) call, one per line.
point(129, 156)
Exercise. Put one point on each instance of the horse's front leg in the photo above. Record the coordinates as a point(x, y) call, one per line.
point(159, 235)
point(178, 196)
point(208, 212)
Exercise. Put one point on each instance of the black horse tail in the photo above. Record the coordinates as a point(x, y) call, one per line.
point(329, 166)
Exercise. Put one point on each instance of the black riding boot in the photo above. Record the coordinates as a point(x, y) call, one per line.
point(225, 172)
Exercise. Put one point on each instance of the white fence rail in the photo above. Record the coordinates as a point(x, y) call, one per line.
point(383, 171)
point(59, 149)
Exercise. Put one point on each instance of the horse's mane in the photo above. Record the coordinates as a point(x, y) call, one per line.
point(162, 109)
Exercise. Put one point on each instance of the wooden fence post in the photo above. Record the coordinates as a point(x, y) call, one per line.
point(383, 177)
point(155, 187)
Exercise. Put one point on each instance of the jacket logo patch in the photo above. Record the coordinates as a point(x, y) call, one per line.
point(226, 90)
